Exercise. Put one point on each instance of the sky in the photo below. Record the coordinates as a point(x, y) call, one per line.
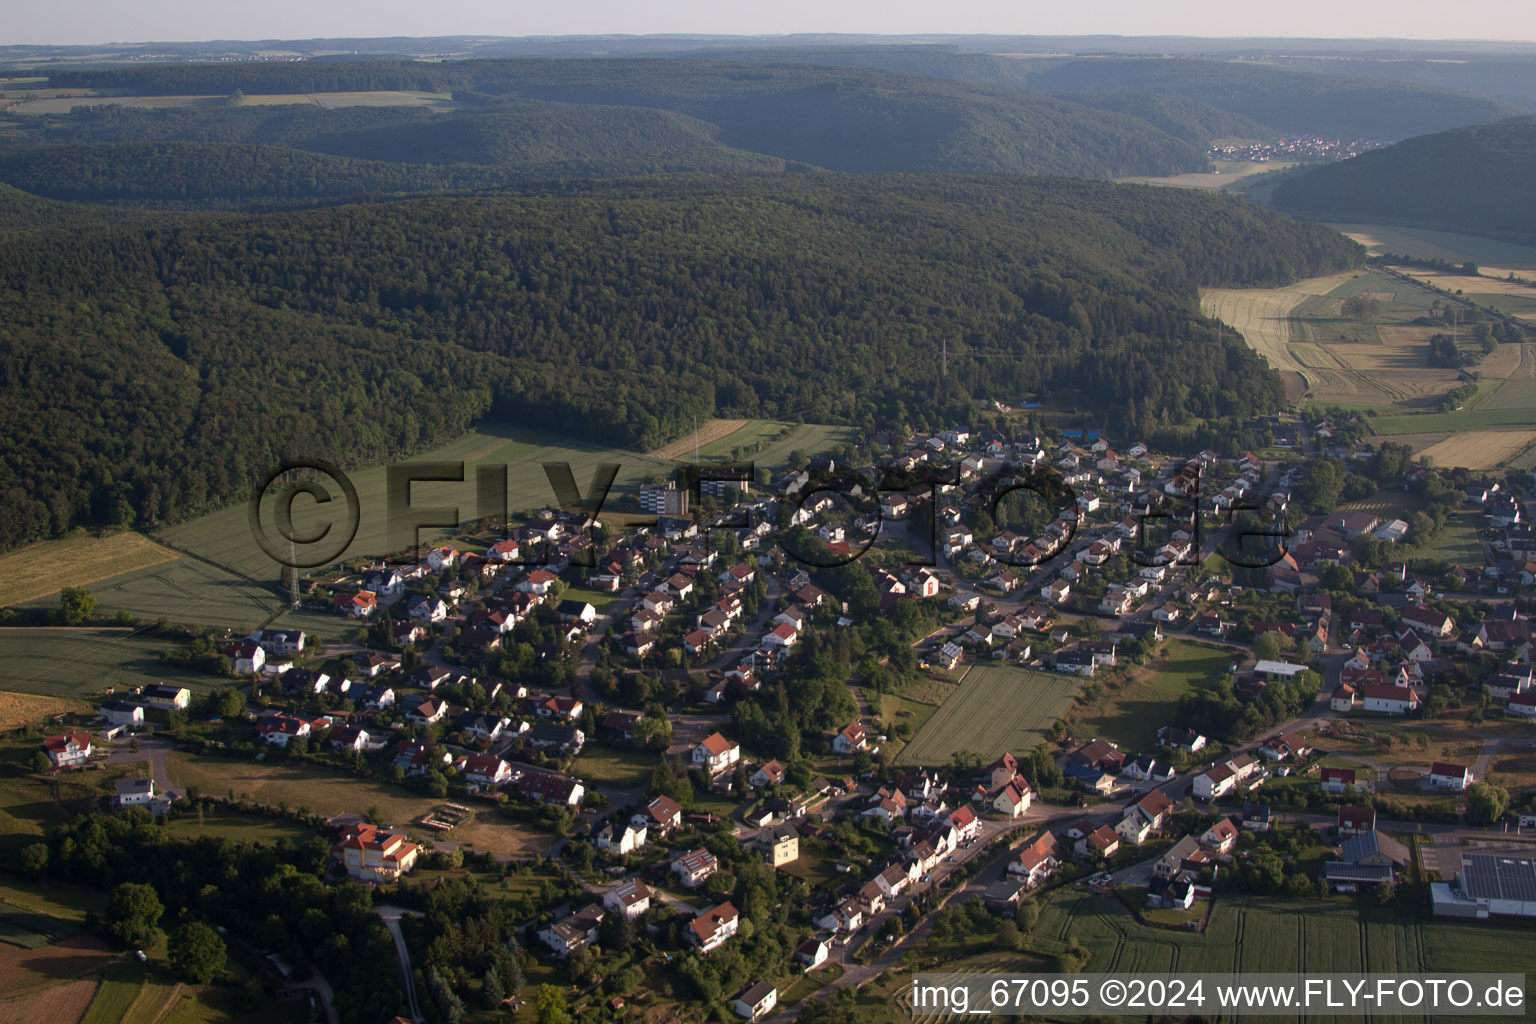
point(100, 21)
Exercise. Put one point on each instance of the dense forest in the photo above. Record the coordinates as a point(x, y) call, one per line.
point(1289, 101)
point(1475, 179)
point(209, 175)
point(153, 370)
point(843, 119)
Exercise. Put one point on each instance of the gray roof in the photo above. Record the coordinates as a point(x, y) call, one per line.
point(1495, 877)
point(1359, 847)
point(1344, 871)
point(134, 787)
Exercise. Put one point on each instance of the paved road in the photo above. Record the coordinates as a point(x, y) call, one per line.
point(392, 916)
point(153, 751)
point(322, 988)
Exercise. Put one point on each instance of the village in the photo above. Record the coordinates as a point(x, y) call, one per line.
point(732, 647)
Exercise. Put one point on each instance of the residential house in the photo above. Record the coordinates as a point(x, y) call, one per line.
point(631, 898)
point(371, 854)
point(712, 928)
point(694, 867)
point(573, 931)
point(756, 1002)
point(716, 754)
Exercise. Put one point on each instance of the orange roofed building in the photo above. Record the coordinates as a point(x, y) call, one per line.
point(371, 854)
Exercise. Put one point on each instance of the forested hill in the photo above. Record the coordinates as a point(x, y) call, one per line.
point(1289, 101)
point(837, 118)
point(1476, 179)
point(616, 311)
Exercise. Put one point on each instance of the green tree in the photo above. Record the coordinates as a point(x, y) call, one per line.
point(197, 952)
point(34, 858)
point(1486, 803)
point(133, 910)
point(549, 1006)
point(76, 605)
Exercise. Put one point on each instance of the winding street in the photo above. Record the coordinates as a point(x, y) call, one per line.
point(392, 916)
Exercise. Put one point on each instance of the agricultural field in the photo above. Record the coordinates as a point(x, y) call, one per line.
point(62, 102)
point(1131, 715)
point(25, 970)
point(1252, 934)
point(63, 1003)
point(714, 432)
point(224, 537)
point(1492, 256)
point(996, 709)
point(1378, 364)
point(1226, 174)
point(1457, 542)
point(330, 793)
point(18, 709)
point(806, 438)
point(44, 569)
point(83, 663)
point(1479, 449)
point(186, 590)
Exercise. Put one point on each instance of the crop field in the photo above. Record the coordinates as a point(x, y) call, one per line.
point(45, 569)
point(713, 432)
point(1227, 172)
point(330, 793)
point(17, 709)
point(83, 663)
point(63, 1003)
point(807, 438)
point(225, 538)
point(1373, 363)
point(997, 708)
point(1480, 449)
point(129, 994)
point(1250, 934)
point(1130, 716)
point(22, 970)
point(187, 590)
point(1454, 422)
point(41, 102)
point(1423, 243)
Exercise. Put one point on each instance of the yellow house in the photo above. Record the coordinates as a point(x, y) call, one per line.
point(372, 855)
point(782, 843)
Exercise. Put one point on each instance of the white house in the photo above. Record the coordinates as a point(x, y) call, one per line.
point(756, 1002)
point(1444, 775)
point(716, 754)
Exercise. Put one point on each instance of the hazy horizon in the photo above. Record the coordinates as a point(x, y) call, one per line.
point(97, 22)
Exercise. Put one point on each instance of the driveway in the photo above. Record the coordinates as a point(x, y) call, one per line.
point(392, 916)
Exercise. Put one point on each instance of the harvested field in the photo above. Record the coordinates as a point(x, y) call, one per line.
point(1423, 243)
point(22, 970)
point(682, 448)
point(1263, 315)
point(45, 569)
point(1474, 287)
point(17, 709)
point(1510, 361)
point(56, 1004)
point(1480, 449)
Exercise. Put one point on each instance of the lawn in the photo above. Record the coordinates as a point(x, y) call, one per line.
point(228, 823)
point(807, 438)
point(1456, 543)
point(83, 663)
point(331, 793)
point(1131, 715)
point(614, 766)
point(996, 709)
point(599, 599)
point(55, 899)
